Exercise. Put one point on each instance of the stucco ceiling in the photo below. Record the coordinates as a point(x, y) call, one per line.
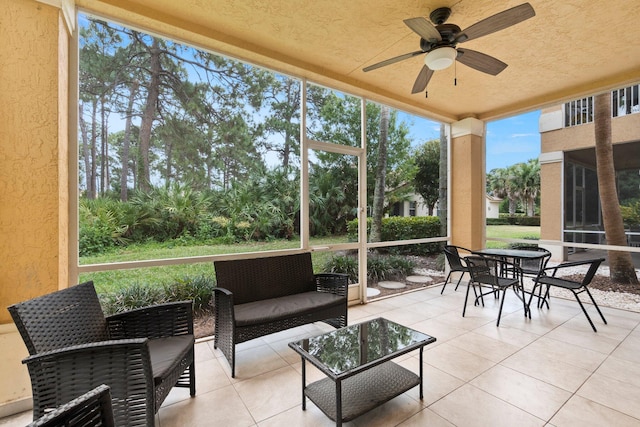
point(570, 49)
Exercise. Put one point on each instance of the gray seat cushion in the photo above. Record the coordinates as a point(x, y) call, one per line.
point(166, 354)
point(269, 310)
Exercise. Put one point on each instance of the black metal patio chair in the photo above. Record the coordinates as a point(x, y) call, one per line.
point(92, 409)
point(488, 272)
point(550, 279)
point(456, 263)
point(140, 354)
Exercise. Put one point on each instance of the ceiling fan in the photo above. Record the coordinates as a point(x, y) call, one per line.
point(439, 40)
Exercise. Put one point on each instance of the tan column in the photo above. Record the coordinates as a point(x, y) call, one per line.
point(551, 201)
point(468, 198)
point(33, 173)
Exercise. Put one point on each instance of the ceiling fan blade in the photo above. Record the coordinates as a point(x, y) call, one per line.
point(480, 61)
point(392, 60)
point(498, 22)
point(423, 79)
point(424, 29)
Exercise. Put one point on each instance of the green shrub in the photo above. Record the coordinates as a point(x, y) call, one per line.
point(136, 295)
point(404, 228)
point(198, 289)
point(497, 221)
point(343, 264)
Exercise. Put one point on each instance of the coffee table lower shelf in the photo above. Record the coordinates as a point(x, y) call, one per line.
point(361, 392)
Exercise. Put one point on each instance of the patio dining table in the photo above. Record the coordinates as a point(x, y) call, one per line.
point(515, 256)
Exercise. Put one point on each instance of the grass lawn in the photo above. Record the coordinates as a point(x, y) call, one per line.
point(511, 232)
point(108, 281)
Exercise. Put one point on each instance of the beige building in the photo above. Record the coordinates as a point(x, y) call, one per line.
point(570, 212)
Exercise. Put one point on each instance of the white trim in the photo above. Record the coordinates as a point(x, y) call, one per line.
point(551, 157)
point(468, 126)
point(550, 121)
point(68, 8)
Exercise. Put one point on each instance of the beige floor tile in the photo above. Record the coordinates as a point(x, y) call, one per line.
point(222, 407)
point(629, 349)
point(585, 337)
point(271, 393)
point(484, 346)
point(618, 395)
point(426, 417)
point(507, 334)
point(469, 406)
point(527, 393)
point(17, 420)
point(296, 417)
point(621, 370)
point(436, 383)
point(566, 352)
point(256, 361)
point(539, 365)
point(457, 362)
point(442, 331)
point(585, 413)
point(406, 316)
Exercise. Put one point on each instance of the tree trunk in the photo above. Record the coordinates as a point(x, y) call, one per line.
point(149, 115)
point(124, 160)
point(85, 148)
point(381, 172)
point(620, 264)
point(442, 199)
point(91, 192)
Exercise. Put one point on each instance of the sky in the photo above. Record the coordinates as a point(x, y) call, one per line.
point(513, 140)
point(509, 141)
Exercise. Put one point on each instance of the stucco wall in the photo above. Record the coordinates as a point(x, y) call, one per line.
point(33, 170)
point(467, 177)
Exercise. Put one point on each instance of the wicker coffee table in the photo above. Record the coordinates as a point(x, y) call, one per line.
point(357, 362)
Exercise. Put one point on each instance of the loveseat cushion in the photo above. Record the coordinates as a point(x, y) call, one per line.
point(166, 353)
point(270, 310)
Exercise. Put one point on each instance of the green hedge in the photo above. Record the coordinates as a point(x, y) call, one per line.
point(514, 220)
point(404, 228)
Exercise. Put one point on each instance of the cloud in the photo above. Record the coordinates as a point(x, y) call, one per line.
point(523, 135)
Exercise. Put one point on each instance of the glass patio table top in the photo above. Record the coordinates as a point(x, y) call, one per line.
point(354, 348)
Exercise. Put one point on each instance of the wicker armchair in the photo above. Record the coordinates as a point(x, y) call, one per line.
point(92, 409)
point(140, 354)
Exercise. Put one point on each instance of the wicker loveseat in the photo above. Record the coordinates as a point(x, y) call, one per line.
point(259, 296)
point(140, 354)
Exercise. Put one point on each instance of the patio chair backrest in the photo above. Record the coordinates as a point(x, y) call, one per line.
point(60, 319)
point(534, 265)
point(484, 270)
point(593, 267)
point(453, 257)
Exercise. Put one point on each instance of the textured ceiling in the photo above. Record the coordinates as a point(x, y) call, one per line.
point(571, 48)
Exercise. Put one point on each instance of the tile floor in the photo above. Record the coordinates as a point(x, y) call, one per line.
point(552, 370)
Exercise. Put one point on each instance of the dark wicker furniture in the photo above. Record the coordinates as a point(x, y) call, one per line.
point(357, 361)
point(140, 354)
point(92, 409)
point(259, 296)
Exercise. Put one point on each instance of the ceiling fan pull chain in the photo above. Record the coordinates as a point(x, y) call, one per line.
point(455, 73)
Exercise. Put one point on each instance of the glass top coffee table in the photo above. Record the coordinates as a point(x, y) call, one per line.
point(357, 362)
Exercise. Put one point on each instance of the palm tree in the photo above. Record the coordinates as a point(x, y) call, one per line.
point(501, 183)
point(620, 264)
point(529, 183)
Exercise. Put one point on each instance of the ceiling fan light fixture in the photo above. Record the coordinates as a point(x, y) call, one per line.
point(440, 58)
